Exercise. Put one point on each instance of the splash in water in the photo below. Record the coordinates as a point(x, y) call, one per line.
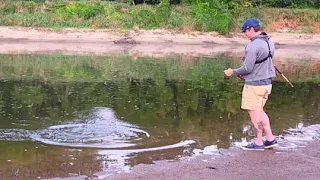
point(99, 129)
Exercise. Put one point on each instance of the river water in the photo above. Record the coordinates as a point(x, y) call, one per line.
point(65, 116)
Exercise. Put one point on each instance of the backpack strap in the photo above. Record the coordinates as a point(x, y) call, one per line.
point(269, 55)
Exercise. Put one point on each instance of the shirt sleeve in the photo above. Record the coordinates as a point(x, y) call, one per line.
point(248, 63)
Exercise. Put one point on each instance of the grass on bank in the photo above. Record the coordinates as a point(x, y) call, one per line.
point(186, 17)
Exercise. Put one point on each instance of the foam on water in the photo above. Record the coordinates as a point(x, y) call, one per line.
point(130, 151)
point(299, 137)
point(293, 137)
point(117, 158)
point(14, 134)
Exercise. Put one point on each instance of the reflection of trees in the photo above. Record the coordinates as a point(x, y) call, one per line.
point(300, 70)
point(174, 100)
point(146, 91)
point(298, 103)
point(97, 68)
point(174, 113)
point(173, 104)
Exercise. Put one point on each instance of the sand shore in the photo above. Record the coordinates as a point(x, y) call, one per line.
point(156, 43)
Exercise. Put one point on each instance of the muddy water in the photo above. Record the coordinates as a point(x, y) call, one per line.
point(65, 116)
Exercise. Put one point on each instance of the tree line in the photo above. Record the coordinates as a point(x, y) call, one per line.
point(253, 3)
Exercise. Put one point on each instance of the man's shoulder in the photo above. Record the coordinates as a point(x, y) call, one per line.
point(252, 44)
point(260, 41)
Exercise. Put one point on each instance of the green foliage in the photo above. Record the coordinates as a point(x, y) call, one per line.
point(145, 18)
point(80, 10)
point(30, 6)
point(203, 15)
point(211, 15)
point(163, 12)
point(8, 9)
point(178, 20)
point(287, 3)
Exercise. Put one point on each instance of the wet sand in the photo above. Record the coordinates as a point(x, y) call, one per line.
point(233, 164)
point(301, 163)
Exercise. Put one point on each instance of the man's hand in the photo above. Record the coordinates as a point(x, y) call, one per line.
point(228, 72)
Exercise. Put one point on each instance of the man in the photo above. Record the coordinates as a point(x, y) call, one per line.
point(257, 71)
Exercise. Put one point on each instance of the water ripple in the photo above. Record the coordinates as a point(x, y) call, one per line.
point(98, 129)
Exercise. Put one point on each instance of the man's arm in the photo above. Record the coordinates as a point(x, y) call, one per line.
point(248, 63)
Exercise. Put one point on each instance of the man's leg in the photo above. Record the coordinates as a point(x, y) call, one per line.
point(260, 121)
point(255, 116)
point(266, 126)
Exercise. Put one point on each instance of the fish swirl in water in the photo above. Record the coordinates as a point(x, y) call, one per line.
point(99, 129)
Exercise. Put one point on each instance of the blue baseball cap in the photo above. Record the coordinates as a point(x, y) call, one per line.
point(249, 23)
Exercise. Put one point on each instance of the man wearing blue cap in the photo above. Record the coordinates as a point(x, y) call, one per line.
point(257, 71)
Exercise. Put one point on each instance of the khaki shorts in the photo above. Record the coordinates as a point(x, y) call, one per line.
point(255, 97)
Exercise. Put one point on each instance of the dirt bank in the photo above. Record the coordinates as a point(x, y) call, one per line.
point(147, 43)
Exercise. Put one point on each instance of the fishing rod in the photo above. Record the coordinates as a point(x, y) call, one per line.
point(234, 22)
point(284, 77)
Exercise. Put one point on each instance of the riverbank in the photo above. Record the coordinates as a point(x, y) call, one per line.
point(156, 43)
point(234, 164)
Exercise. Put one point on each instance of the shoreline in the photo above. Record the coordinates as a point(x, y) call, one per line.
point(155, 43)
point(296, 157)
point(300, 163)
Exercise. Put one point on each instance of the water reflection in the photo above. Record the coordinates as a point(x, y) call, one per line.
point(110, 114)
